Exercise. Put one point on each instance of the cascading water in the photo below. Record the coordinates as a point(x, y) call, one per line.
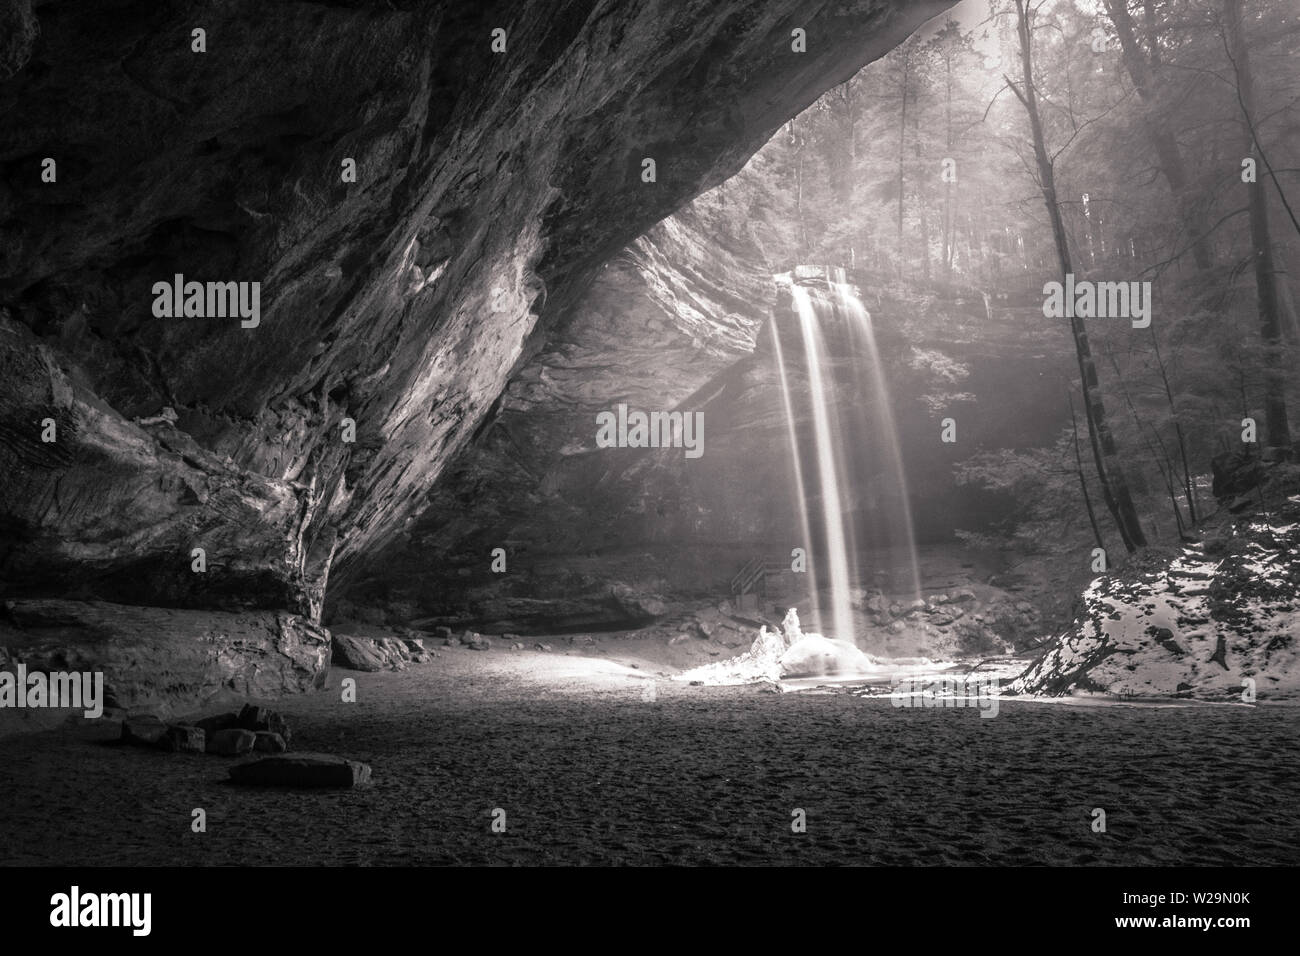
point(840, 475)
point(827, 472)
point(886, 431)
point(801, 491)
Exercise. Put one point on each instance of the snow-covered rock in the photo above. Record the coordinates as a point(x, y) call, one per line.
point(1203, 625)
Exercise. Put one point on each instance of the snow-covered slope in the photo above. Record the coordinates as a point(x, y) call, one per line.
point(1204, 625)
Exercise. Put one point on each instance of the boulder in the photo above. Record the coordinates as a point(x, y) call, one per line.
point(477, 643)
point(210, 725)
point(310, 770)
point(268, 742)
point(264, 719)
point(357, 653)
point(253, 717)
point(370, 653)
point(232, 742)
point(144, 730)
point(183, 738)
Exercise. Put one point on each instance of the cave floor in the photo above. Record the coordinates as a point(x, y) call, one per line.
point(591, 768)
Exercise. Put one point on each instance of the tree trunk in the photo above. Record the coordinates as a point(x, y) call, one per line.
point(1110, 472)
point(1162, 138)
point(1276, 427)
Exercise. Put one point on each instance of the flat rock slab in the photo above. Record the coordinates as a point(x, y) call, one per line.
point(302, 770)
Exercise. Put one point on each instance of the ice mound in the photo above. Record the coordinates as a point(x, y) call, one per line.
point(817, 656)
point(787, 654)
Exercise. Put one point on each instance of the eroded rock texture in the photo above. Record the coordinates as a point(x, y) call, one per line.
point(490, 189)
point(167, 659)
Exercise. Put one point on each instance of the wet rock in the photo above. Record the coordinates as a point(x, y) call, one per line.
point(306, 770)
point(231, 743)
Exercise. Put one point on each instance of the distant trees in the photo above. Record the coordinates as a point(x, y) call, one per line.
point(926, 172)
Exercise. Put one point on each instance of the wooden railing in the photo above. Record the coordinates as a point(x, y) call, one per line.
point(753, 574)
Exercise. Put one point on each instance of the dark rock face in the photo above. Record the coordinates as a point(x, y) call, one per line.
point(166, 659)
point(490, 187)
point(489, 190)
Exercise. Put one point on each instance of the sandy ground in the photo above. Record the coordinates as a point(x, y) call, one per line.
point(597, 762)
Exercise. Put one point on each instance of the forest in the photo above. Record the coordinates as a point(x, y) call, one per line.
point(1016, 145)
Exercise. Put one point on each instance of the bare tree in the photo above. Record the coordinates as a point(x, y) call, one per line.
point(1110, 471)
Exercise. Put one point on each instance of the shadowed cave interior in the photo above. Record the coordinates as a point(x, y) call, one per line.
point(654, 406)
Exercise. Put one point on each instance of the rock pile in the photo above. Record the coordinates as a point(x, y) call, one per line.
point(252, 729)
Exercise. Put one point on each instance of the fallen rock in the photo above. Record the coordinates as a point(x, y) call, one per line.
point(210, 725)
point(268, 742)
point(358, 654)
point(143, 730)
point(302, 770)
point(231, 743)
point(252, 717)
point(183, 738)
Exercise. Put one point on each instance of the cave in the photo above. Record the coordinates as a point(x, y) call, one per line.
point(532, 409)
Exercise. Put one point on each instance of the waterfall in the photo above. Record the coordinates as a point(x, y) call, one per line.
point(857, 456)
point(885, 433)
point(805, 525)
point(827, 472)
